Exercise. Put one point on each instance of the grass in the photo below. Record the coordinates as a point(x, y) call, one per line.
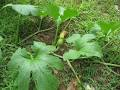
point(102, 77)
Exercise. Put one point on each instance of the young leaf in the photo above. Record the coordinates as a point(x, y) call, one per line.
point(105, 27)
point(95, 28)
point(60, 14)
point(83, 46)
point(37, 65)
point(71, 54)
point(24, 9)
point(68, 14)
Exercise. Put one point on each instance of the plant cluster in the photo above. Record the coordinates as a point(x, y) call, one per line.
point(37, 65)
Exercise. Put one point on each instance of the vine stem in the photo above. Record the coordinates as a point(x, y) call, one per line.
point(109, 64)
point(111, 69)
point(73, 70)
point(71, 67)
point(56, 34)
point(57, 30)
point(106, 64)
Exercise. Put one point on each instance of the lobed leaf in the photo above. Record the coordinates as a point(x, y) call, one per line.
point(73, 38)
point(23, 78)
point(39, 64)
point(60, 14)
point(24, 9)
point(83, 46)
point(71, 54)
point(44, 80)
point(105, 27)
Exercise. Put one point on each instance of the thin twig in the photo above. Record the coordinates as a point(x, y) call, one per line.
point(57, 31)
point(69, 64)
point(73, 70)
point(67, 25)
point(30, 36)
point(108, 64)
point(111, 69)
point(39, 27)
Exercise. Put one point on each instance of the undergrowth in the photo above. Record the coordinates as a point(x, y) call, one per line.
point(102, 76)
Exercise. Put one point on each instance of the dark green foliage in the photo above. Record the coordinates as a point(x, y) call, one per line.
point(38, 64)
point(83, 47)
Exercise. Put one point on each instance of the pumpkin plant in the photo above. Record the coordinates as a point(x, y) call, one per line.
point(37, 66)
point(58, 13)
point(83, 46)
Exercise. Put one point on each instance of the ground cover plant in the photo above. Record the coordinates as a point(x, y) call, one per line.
point(59, 45)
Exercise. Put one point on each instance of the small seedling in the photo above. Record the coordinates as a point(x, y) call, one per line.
point(105, 29)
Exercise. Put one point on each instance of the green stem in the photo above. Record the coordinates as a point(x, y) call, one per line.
point(56, 34)
point(39, 27)
point(109, 64)
point(111, 69)
point(80, 83)
point(73, 71)
point(71, 67)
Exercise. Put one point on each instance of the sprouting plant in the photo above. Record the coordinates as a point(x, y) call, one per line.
point(37, 66)
point(58, 13)
point(105, 29)
point(83, 46)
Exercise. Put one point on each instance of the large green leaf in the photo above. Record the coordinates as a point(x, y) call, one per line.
point(42, 47)
point(52, 10)
point(60, 14)
point(105, 27)
point(69, 13)
point(82, 47)
point(24, 9)
point(39, 64)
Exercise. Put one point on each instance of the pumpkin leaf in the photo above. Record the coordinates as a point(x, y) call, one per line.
point(82, 46)
point(24, 9)
point(38, 63)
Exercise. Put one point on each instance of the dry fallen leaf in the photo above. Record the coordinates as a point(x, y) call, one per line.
point(62, 87)
point(72, 85)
